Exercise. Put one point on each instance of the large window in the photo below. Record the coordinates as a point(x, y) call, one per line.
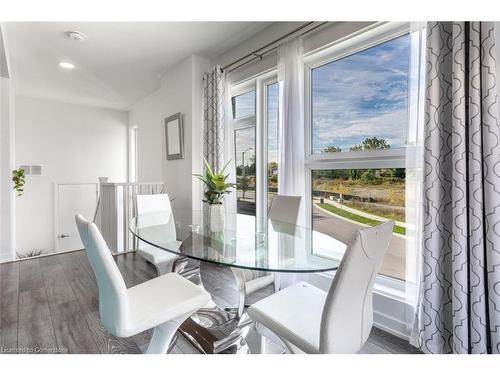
point(255, 126)
point(244, 141)
point(244, 124)
point(358, 116)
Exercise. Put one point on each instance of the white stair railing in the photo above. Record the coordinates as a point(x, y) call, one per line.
point(116, 208)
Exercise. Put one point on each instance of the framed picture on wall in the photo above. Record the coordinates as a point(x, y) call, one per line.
point(174, 137)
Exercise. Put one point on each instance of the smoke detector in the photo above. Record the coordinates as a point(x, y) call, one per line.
point(75, 35)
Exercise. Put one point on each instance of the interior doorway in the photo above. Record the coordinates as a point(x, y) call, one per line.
point(72, 199)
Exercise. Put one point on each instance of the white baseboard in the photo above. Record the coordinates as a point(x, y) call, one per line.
point(390, 325)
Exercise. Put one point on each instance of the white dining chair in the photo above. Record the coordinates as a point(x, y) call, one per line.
point(158, 206)
point(307, 319)
point(162, 303)
point(284, 210)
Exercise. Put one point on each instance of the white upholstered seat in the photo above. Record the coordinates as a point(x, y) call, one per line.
point(293, 313)
point(161, 299)
point(163, 303)
point(307, 319)
point(161, 259)
point(158, 204)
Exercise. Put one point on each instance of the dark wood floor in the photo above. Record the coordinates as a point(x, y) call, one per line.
point(50, 305)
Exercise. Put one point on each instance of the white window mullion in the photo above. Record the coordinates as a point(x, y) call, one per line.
point(261, 148)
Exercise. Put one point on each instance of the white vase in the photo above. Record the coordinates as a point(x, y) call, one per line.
point(216, 217)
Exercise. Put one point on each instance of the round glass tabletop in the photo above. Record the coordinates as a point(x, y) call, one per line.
point(238, 240)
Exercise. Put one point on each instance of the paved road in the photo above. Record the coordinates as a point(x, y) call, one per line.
point(394, 262)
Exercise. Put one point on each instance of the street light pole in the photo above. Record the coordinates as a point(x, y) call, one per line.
point(243, 171)
point(243, 160)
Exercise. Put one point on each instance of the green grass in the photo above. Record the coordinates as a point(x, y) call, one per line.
point(358, 218)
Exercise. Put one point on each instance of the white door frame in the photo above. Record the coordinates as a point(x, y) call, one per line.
point(56, 207)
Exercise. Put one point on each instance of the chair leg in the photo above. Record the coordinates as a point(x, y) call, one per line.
point(277, 285)
point(163, 268)
point(242, 290)
point(163, 334)
point(266, 332)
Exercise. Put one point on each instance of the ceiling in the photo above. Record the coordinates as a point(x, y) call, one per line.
point(118, 63)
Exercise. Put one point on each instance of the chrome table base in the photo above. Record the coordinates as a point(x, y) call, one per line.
point(218, 328)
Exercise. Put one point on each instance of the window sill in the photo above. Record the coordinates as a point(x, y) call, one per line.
point(384, 285)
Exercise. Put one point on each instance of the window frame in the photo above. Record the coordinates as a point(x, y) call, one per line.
point(271, 79)
point(263, 82)
point(259, 121)
point(238, 90)
point(365, 159)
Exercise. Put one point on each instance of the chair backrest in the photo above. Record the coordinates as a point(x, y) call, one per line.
point(113, 296)
point(285, 208)
point(155, 209)
point(348, 312)
point(153, 203)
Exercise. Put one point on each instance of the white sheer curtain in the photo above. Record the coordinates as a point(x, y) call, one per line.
point(291, 153)
point(291, 122)
point(414, 169)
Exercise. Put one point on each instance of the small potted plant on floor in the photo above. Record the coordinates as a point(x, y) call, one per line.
point(216, 188)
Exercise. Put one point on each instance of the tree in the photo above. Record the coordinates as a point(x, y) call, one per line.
point(371, 144)
point(375, 144)
point(368, 176)
point(244, 184)
point(272, 167)
point(331, 149)
point(399, 173)
point(272, 172)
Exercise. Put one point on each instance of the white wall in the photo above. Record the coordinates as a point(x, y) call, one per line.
point(180, 91)
point(7, 209)
point(74, 143)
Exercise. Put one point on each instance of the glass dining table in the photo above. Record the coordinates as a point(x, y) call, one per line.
point(237, 241)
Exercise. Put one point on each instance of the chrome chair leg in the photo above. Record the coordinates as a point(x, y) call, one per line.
point(163, 335)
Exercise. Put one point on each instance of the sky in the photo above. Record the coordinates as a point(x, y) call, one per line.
point(245, 138)
point(362, 95)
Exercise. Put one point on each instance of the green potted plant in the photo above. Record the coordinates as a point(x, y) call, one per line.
point(216, 187)
point(19, 179)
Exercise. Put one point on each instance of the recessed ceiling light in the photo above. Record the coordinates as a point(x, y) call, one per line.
point(66, 65)
point(76, 35)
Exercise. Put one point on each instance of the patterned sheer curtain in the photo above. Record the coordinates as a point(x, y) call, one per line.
point(218, 144)
point(459, 304)
point(213, 116)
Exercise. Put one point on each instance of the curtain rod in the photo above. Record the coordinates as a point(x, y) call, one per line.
point(259, 54)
